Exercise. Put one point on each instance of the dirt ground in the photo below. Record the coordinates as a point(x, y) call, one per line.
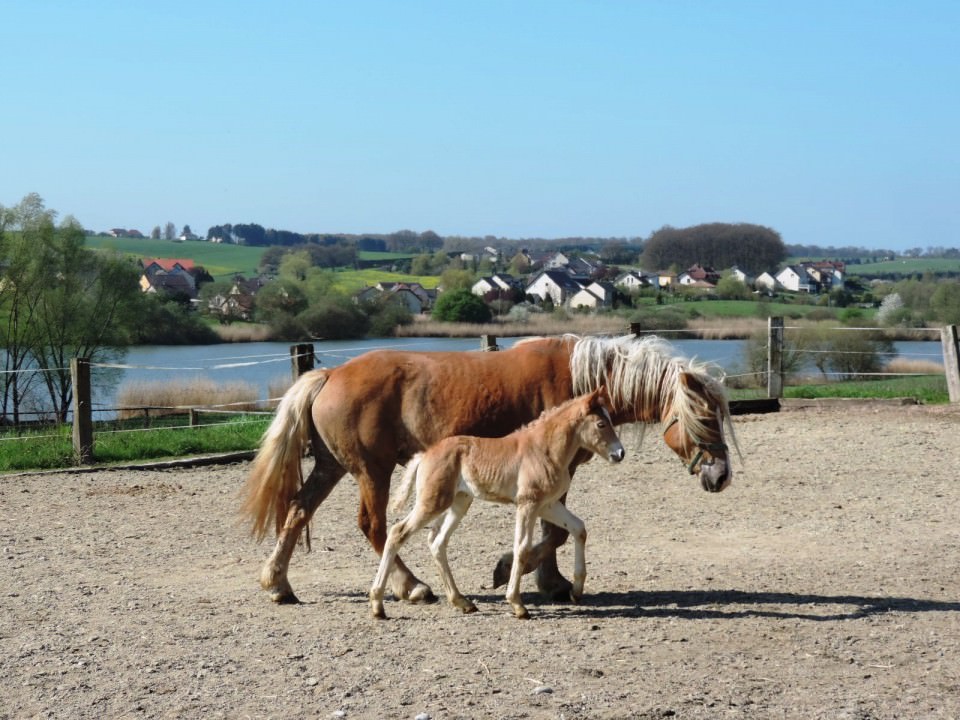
point(825, 583)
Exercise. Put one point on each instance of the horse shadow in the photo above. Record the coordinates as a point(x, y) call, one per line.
point(707, 605)
point(737, 604)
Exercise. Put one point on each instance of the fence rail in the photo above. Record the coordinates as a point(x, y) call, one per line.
point(303, 358)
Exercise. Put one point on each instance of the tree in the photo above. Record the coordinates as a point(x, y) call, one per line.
point(169, 231)
point(155, 233)
point(461, 306)
point(946, 302)
point(752, 248)
point(61, 300)
point(731, 288)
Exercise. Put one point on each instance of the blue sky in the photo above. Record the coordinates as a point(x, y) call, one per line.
point(835, 123)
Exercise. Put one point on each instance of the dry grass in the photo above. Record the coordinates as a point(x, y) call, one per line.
point(164, 398)
point(244, 332)
point(554, 324)
point(596, 324)
point(276, 388)
point(914, 367)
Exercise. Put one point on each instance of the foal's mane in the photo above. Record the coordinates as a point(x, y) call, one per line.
point(645, 375)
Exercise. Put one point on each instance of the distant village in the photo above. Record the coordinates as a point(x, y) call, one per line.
point(552, 278)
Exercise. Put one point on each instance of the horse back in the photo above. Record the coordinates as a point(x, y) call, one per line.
point(389, 405)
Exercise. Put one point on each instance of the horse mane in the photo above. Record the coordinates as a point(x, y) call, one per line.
point(645, 374)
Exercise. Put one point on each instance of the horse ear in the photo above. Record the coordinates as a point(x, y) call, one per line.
point(692, 383)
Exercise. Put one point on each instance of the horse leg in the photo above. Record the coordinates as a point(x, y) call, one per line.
point(560, 516)
point(439, 537)
point(522, 544)
point(322, 479)
point(372, 520)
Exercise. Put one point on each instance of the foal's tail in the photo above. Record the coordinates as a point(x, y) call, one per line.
point(276, 475)
point(402, 493)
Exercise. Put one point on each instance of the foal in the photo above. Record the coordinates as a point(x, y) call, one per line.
point(528, 467)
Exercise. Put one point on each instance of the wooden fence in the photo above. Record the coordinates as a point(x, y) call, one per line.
point(303, 359)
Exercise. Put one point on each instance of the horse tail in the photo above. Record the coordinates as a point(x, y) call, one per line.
point(402, 494)
point(276, 474)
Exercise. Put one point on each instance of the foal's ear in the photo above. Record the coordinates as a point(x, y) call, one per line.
point(599, 397)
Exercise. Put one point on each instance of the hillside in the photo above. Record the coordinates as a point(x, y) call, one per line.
point(221, 261)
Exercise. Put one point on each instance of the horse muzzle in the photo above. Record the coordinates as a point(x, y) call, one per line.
point(616, 454)
point(715, 475)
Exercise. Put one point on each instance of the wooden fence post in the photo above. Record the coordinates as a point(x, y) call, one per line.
point(951, 363)
point(488, 343)
point(82, 411)
point(775, 357)
point(302, 359)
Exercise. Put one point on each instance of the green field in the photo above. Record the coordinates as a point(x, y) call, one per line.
point(221, 261)
point(907, 266)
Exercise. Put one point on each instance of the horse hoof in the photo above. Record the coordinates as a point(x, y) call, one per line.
point(521, 613)
point(575, 598)
point(467, 609)
point(557, 588)
point(501, 573)
point(422, 594)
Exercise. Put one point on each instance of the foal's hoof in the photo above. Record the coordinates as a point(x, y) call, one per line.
point(284, 597)
point(520, 613)
point(466, 607)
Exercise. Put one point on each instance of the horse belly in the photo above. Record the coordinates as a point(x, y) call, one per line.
point(488, 484)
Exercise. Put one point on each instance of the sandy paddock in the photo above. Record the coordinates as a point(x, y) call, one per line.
point(825, 583)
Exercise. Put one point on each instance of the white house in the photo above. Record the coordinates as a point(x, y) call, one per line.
point(596, 294)
point(500, 281)
point(738, 274)
point(633, 280)
point(765, 281)
point(794, 278)
point(555, 284)
point(585, 298)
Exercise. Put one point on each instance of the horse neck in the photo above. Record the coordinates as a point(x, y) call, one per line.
point(556, 438)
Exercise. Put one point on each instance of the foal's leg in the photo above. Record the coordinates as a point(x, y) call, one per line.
point(417, 518)
point(372, 519)
point(543, 559)
point(439, 537)
point(522, 544)
point(322, 479)
point(560, 516)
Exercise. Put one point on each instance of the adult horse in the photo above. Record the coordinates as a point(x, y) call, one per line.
point(381, 408)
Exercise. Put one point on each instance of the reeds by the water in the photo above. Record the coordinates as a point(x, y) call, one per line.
point(164, 398)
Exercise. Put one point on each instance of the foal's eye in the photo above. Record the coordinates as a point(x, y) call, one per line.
point(601, 424)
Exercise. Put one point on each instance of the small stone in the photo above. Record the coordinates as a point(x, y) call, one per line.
point(542, 690)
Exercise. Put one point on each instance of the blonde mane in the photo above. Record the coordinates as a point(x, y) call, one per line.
point(646, 373)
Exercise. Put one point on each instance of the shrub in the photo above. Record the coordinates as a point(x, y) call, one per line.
point(461, 306)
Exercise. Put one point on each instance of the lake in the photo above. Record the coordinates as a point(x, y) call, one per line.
point(268, 363)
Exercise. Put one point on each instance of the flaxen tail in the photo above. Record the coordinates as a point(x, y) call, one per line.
point(276, 475)
point(402, 493)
